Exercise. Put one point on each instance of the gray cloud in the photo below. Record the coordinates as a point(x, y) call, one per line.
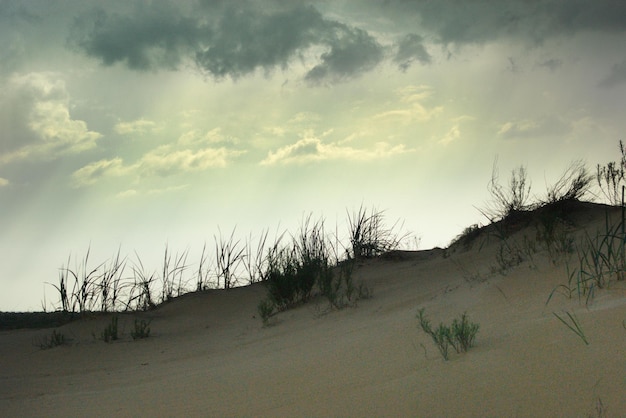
point(454, 21)
point(151, 36)
point(246, 39)
point(352, 51)
point(411, 48)
point(225, 39)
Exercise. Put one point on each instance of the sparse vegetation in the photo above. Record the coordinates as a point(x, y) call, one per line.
point(572, 185)
point(141, 329)
point(507, 202)
point(610, 178)
point(110, 332)
point(369, 236)
point(305, 266)
point(461, 334)
point(467, 237)
point(266, 310)
point(54, 340)
point(601, 261)
point(292, 269)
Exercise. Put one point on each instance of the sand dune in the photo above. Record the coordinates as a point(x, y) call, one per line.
point(209, 354)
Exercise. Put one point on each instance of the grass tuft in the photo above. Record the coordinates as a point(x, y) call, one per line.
point(54, 340)
point(461, 334)
point(141, 329)
point(110, 332)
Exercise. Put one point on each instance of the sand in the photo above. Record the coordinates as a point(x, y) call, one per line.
point(209, 354)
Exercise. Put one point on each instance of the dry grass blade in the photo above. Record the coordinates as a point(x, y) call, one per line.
point(229, 255)
point(574, 326)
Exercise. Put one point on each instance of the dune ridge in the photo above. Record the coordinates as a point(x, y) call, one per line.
point(209, 355)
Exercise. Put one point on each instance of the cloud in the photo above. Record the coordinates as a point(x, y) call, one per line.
point(310, 149)
point(127, 194)
point(190, 153)
point(480, 21)
point(452, 135)
point(415, 110)
point(136, 127)
point(90, 173)
point(34, 112)
point(152, 35)
point(533, 128)
point(215, 136)
point(411, 48)
point(616, 76)
point(226, 39)
point(3, 182)
point(164, 161)
point(352, 52)
point(245, 38)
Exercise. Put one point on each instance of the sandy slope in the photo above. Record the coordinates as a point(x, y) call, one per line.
point(210, 356)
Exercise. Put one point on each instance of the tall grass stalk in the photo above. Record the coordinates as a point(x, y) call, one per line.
point(172, 274)
point(229, 255)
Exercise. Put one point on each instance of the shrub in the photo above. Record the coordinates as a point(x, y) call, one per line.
point(368, 235)
point(461, 334)
point(281, 283)
point(506, 202)
point(464, 333)
point(572, 185)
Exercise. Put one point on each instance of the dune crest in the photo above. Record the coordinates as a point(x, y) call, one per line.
point(209, 354)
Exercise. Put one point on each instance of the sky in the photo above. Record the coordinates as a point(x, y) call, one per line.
point(138, 124)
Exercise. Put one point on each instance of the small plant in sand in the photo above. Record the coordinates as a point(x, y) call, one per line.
point(601, 261)
point(461, 334)
point(141, 329)
point(110, 332)
point(266, 310)
point(54, 340)
point(573, 324)
point(340, 289)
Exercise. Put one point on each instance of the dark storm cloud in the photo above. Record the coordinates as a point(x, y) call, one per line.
point(226, 39)
point(352, 51)
point(150, 37)
point(479, 21)
point(411, 48)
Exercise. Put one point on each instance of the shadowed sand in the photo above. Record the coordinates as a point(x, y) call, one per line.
point(209, 355)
